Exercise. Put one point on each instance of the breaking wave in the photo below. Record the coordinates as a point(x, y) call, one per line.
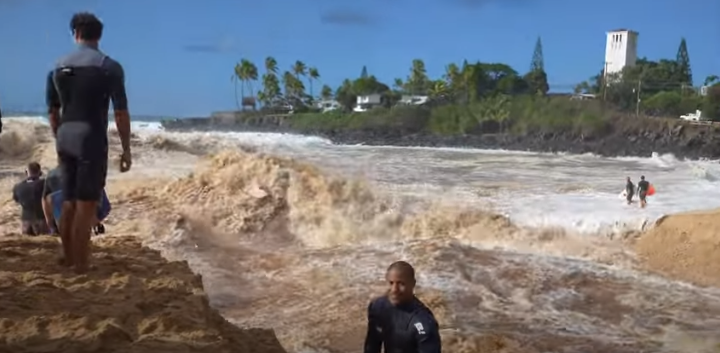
point(284, 244)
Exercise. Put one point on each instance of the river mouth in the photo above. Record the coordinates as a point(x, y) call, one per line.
point(283, 242)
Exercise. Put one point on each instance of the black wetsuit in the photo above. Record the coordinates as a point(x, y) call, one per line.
point(0, 120)
point(643, 187)
point(81, 86)
point(28, 193)
point(629, 191)
point(406, 328)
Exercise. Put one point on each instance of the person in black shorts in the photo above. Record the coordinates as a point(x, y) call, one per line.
point(399, 321)
point(643, 187)
point(79, 91)
point(28, 193)
point(629, 190)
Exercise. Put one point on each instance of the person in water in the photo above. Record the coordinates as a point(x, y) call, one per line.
point(398, 320)
point(78, 93)
point(643, 186)
point(53, 183)
point(28, 193)
point(629, 190)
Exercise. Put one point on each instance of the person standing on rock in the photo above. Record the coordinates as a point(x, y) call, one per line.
point(398, 320)
point(643, 186)
point(79, 91)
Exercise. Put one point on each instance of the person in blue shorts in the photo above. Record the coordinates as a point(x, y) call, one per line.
point(53, 183)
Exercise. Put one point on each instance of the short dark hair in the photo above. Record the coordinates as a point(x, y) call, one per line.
point(34, 168)
point(87, 26)
point(403, 267)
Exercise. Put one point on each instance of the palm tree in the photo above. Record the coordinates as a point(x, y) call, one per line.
point(288, 83)
point(398, 84)
point(452, 75)
point(271, 65)
point(299, 69)
point(237, 76)
point(249, 74)
point(313, 74)
point(418, 77)
point(326, 92)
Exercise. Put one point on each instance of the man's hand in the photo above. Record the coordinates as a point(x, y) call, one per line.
point(125, 161)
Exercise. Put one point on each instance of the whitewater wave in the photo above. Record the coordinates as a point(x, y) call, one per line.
point(285, 244)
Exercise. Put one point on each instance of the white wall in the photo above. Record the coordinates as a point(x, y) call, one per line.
point(620, 50)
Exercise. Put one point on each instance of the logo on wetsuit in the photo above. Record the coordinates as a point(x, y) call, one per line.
point(420, 328)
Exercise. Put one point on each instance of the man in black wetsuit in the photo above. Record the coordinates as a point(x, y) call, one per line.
point(629, 190)
point(643, 187)
point(398, 320)
point(28, 193)
point(79, 91)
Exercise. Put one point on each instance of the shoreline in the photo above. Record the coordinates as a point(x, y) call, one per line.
point(691, 142)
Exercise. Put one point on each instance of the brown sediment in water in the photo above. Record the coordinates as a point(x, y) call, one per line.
point(685, 247)
point(284, 245)
point(135, 301)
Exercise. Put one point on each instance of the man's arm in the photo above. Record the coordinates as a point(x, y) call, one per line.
point(427, 334)
point(120, 104)
point(15, 195)
point(373, 338)
point(53, 102)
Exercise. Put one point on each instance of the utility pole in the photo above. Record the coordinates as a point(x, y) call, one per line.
point(637, 103)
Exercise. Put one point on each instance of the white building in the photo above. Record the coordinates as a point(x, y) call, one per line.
point(367, 102)
point(328, 105)
point(413, 100)
point(704, 90)
point(620, 50)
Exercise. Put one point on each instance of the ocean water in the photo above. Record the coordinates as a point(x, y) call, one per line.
point(518, 244)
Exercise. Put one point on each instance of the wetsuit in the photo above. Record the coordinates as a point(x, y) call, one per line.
point(28, 193)
point(0, 120)
point(643, 187)
point(629, 191)
point(405, 328)
point(81, 86)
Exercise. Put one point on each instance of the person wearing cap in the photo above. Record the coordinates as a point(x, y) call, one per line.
point(28, 193)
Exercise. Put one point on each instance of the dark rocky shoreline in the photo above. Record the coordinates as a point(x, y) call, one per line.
point(683, 141)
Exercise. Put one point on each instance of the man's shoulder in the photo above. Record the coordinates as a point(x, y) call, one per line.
point(423, 314)
point(379, 303)
point(112, 65)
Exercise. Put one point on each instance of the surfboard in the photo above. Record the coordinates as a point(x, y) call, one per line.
point(103, 208)
point(651, 190)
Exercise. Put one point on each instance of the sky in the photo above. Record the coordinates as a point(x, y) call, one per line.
point(179, 55)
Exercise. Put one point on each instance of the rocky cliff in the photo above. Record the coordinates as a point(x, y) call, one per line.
point(640, 138)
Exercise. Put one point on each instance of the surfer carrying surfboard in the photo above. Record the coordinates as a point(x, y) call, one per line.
point(643, 186)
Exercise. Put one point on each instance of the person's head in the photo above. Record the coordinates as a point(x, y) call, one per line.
point(400, 277)
point(642, 177)
point(86, 28)
point(628, 178)
point(33, 169)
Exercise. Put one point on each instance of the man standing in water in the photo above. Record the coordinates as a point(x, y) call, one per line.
point(78, 93)
point(643, 187)
point(629, 190)
point(399, 320)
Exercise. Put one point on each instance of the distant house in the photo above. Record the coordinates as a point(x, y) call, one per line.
point(327, 105)
point(704, 90)
point(413, 100)
point(367, 102)
point(697, 116)
point(582, 96)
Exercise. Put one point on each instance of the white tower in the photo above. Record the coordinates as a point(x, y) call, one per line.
point(620, 50)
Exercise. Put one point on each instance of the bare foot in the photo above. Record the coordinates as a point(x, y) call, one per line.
point(64, 262)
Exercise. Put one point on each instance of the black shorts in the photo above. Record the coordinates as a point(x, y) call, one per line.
point(642, 195)
point(83, 178)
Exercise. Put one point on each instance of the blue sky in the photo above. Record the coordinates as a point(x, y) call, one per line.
point(178, 55)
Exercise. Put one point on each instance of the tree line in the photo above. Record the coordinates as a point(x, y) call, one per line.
point(650, 88)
